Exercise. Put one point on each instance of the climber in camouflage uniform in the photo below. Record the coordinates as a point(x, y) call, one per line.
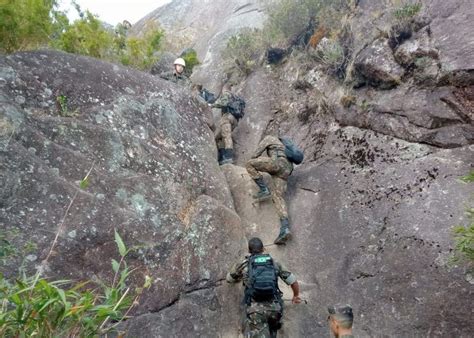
point(262, 318)
point(340, 321)
point(178, 75)
point(227, 124)
point(279, 167)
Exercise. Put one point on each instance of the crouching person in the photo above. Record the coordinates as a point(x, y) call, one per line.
point(262, 298)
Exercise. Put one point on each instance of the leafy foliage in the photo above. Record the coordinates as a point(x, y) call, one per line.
point(244, 49)
point(86, 36)
point(287, 21)
point(26, 24)
point(191, 59)
point(30, 24)
point(34, 306)
point(287, 18)
point(140, 52)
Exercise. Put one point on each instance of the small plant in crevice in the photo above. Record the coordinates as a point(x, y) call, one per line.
point(404, 23)
point(407, 11)
point(332, 55)
point(244, 50)
point(62, 104)
point(464, 235)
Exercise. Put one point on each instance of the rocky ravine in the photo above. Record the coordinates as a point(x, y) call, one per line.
point(371, 206)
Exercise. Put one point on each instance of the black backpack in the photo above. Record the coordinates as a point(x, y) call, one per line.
point(236, 107)
point(292, 152)
point(207, 96)
point(262, 283)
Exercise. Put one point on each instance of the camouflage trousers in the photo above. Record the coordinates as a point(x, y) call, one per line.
point(280, 169)
point(262, 320)
point(223, 133)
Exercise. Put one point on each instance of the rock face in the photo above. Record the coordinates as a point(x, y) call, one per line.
point(376, 66)
point(371, 207)
point(153, 177)
point(205, 26)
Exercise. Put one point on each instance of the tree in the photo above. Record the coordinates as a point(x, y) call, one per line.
point(26, 24)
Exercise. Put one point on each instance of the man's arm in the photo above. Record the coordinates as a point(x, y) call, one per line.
point(290, 279)
point(236, 273)
point(166, 75)
point(296, 293)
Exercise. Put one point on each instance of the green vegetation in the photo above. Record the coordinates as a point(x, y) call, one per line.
point(35, 306)
point(27, 24)
point(32, 24)
point(464, 235)
point(288, 25)
point(191, 59)
point(407, 11)
point(244, 49)
point(86, 36)
point(140, 52)
point(331, 54)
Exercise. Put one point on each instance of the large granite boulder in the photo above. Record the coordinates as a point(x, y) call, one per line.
point(153, 177)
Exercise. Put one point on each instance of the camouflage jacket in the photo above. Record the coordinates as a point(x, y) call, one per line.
point(272, 145)
point(172, 76)
point(223, 101)
point(239, 272)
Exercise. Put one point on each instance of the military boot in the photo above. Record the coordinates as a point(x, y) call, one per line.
point(228, 157)
point(285, 233)
point(220, 155)
point(264, 192)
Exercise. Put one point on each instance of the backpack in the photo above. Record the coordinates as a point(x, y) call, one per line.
point(236, 107)
point(207, 96)
point(262, 283)
point(292, 152)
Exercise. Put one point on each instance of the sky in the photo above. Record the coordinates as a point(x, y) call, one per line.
point(115, 11)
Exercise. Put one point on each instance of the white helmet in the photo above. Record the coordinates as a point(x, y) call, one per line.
point(180, 61)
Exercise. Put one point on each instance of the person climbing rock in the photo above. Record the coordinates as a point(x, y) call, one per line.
point(340, 321)
point(262, 298)
point(279, 167)
point(232, 107)
point(178, 75)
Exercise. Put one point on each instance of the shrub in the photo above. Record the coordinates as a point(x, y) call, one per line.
point(407, 11)
point(141, 52)
point(35, 306)
point(191, 59)
point(86, 36)
point(331, 54)
point(26, 24)
point(244, 49)
point(288, 18)
point(29, 24)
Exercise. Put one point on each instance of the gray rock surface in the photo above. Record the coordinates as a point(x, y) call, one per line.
point(164, 64)
point(376, 66)
point(371, 207)
point(154, 177)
